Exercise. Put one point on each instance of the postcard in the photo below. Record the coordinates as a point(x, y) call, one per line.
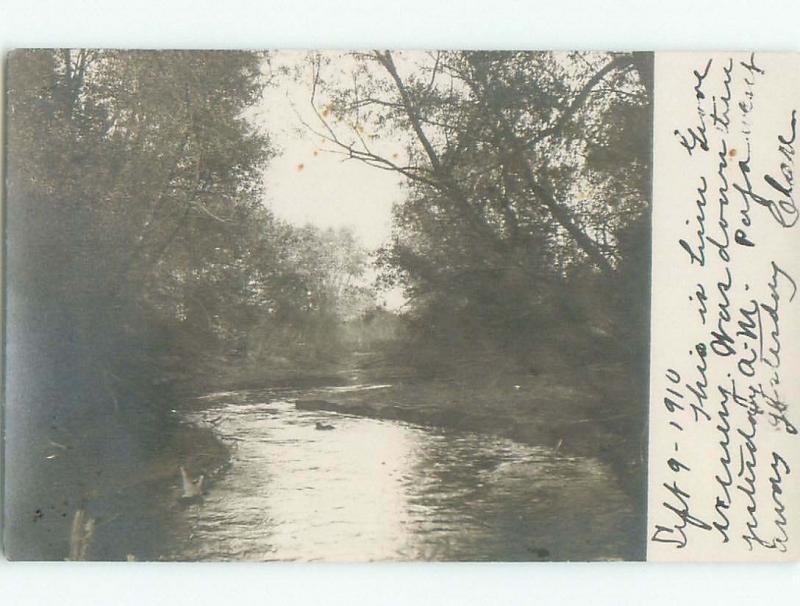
point(401, 305)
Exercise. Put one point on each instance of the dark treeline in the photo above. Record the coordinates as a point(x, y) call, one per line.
point(138, 237)
point(526, 227)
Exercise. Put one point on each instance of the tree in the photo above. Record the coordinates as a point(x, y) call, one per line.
point(134, 181)
point(524, 171)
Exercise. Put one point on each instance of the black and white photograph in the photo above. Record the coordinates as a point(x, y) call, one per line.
point(348, 306)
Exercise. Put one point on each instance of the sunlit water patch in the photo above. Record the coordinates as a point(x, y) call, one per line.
point(372, 490)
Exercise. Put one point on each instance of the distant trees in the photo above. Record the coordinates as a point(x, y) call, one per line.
point(317, 283)
point(528, 185)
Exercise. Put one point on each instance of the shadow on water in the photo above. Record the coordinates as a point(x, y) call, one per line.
point(374, 490)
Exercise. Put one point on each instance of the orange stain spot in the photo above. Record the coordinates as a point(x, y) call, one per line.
point(732, 152)
point(316, 152)
point(300, 167)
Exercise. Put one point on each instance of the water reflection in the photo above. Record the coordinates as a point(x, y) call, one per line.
point(374, 489)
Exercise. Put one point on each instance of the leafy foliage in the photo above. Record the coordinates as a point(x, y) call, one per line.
point(528, 189)
point(140, 250)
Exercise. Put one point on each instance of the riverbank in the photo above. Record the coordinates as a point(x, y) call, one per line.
point(596, 409)
point(598, 413)
point(134, 499)
point(127, 483)
point(138, 515)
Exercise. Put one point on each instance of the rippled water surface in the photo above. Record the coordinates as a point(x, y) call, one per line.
point(374, 490)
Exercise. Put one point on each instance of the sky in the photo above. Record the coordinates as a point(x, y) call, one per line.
point(304, 183)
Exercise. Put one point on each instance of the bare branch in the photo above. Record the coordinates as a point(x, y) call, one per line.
point(365, 155)
point(386, 60)
point(433, 72)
